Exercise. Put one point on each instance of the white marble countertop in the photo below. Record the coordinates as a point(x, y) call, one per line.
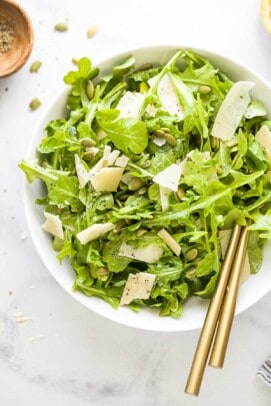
point(64, 354)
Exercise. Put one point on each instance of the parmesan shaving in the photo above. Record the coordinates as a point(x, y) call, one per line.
point(130, 103)
point(122, 161)
point(93, 232)
point(138, 286)
point(169, 177)
point(82, 174)
point(263, 137)
point(232, 110)
point(169, 240)
point(164, 196)
point(168, 96)
point(149, 254)
point(53, 225)
point(107, 179)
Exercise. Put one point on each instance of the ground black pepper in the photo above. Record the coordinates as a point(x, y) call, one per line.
point(6, 34)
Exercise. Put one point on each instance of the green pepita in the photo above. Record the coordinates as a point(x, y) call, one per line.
point(90, 89)
point(170, 139)
point(87, 142)
point(92, 31)
point(204, 89)
point(35, 66)
point(135, 184)
point(180, 193)
point(61, 27)
point(191, 254)
point(159, 133)
point(75, 61)
point(191, 273)
point(214, 142)
point(88, 156)
point(34, 104)
point(145, 66)
point(142, 190)
point(141, 232)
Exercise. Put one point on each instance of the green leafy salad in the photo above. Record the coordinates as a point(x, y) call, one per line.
point(146, 176)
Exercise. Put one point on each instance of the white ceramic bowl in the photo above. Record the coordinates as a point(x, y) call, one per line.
point(194, 311)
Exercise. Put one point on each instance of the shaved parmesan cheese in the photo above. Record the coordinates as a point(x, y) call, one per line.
point(159, 141)
point(169, 177)
point(122, 161)
point(232, 110)
point(82, 174)
point(263, 137)
point(149, 254)
point(168, 96)
point(93, 232)
point(107, 179)
point(103, 162)
point(138, 286)
point(164, 196)
point(130, 104)
point(53, 225)
point(112, 157)
point(169, 240)
point(225, 236)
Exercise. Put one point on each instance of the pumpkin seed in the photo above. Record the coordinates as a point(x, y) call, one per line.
point(75, 61)
point(145, 66)
point(141, 232)
point(87, 142)
point(146, 164)
point(191, 273)
point(102, 273)
point(35, 66)
point(89, 155)
point(170, 139)
point(191, 254)
point(61, 27)
point(214, 142)
point(180, 193)
point(142, 190)
point(159, 133)
point(135, 184)
point(204, 89)
point(92, 31)
point(90, 89)
point(34, 104)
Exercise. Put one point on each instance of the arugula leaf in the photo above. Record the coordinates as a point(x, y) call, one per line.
point(64, 192)
point(33, 170)
point(127, 134)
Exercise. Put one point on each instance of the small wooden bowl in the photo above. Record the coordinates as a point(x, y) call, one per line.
point(13, 58)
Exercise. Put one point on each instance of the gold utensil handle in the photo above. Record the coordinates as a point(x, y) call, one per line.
point(227, 313)
point(207, 332)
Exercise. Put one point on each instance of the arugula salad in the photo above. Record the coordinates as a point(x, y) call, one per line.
point(146, 176)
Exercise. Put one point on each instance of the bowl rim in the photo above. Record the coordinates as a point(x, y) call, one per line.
point(108, 312)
